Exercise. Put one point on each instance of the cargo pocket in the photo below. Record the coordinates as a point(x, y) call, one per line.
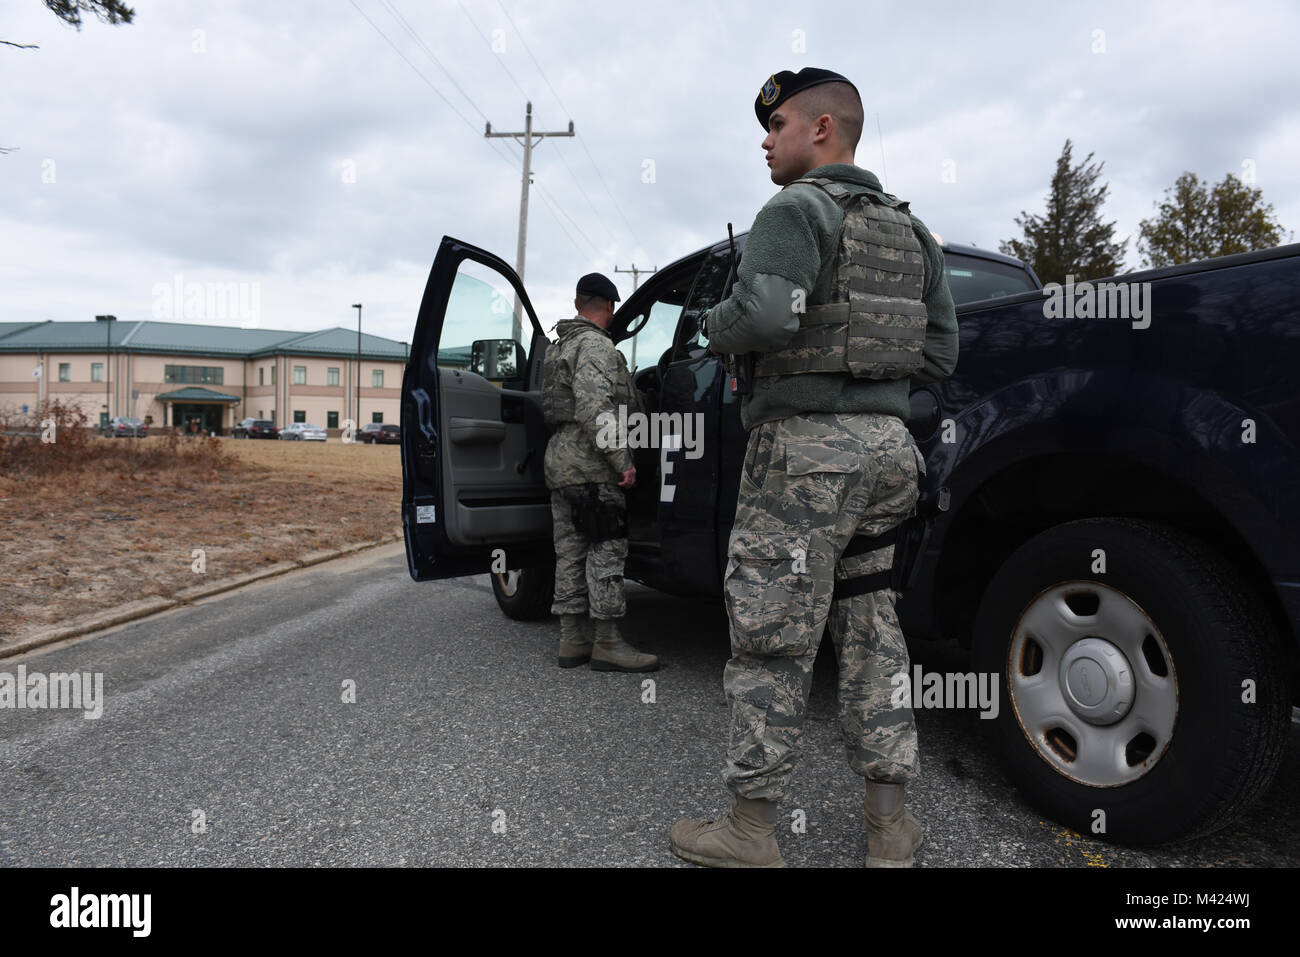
point(749, 726)
point(769, 592)
point(805, 458)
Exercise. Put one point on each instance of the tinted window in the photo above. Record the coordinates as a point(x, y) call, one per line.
point(971, 279)
point(662, 296)
point(708, 292)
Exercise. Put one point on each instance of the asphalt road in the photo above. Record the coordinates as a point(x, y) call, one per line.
point(467, 746)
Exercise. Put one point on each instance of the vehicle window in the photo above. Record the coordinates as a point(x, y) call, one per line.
point(971, 279)
point(482, 307)
point(708, 292)
point(663, 297)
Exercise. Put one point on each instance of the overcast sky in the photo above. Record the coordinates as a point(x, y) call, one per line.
point(288, 145)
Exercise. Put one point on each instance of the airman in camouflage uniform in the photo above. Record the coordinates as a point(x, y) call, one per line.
point(586, 380)
point(841, 297)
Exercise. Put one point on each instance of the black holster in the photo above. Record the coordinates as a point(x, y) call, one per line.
point(909, 540)
point(596, 519)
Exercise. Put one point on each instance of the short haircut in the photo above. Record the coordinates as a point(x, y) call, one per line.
point(841, 101)
point(585, 300)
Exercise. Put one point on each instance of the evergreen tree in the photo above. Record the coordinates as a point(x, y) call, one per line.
point(1199, 222)
point(1070, 239)
point(111, 12)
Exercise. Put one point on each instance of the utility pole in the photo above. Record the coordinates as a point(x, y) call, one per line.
point(108, 360)
point(527, 142)
point(636, 281)
point(357, 307)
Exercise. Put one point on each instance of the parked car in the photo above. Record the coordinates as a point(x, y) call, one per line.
point(255, 429)
point(302, 431)
point(380, 433)
point(1118, 547)
point(123, 427)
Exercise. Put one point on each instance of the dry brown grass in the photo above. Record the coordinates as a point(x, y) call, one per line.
point(101, 522)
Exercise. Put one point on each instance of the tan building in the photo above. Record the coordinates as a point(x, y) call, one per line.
point(171, 373)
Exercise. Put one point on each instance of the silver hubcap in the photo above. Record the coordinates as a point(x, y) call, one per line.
point(1092, 684)
point(509, 582)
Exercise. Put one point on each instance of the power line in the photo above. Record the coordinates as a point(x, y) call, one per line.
point(499, 154)
point(594, 248)
point(401, 20)
point(469, 17)
point(398, 51)
point(501, 62)
point(581, 141)
point(534, 59)
point(559, 210)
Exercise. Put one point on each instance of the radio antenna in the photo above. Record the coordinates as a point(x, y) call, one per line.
point(883, 168)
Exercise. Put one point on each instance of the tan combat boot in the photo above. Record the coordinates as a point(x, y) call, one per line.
point(612, 653)
point(575, 641)
point(892, 833)
point(744, 837)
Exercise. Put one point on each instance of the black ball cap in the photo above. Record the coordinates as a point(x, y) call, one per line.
point(597, 284)
point(781, 86)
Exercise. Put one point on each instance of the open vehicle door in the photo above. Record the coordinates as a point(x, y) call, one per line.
point(473, 438)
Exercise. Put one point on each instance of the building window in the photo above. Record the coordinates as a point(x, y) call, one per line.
point(299, 415)
point(65, 371)
point(332, 376)
point(260, 415)
point(273, 368)
point(260, 379)
point(376, 378)
point(299, 375)
point(97, 372)
point(332, 418)
point(195, 375)
point(376, 416)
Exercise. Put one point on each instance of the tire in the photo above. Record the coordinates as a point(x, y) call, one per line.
point(525, 594)
point(1146, 723)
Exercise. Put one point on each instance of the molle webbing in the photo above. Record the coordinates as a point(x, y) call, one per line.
point(557, 388)
point(875, 326)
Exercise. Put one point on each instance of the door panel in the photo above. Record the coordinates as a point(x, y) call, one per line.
point(473, 438)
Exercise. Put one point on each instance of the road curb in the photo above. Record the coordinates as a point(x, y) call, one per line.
point(144, 608)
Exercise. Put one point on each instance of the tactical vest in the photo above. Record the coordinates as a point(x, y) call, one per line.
point(557, 389)
point(557, 381)
point(874, 326)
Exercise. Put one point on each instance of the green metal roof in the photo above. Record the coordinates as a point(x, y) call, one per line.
point(196, 393)
point(186, 337)
point(340, 342)
point(8, 328)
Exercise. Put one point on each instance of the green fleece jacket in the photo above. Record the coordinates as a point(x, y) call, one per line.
point(792, 245)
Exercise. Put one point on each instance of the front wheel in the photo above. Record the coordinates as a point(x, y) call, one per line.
point(1143, 692)
point(525, 594)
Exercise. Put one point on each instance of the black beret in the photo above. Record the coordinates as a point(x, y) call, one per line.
point(781, 86)
point(595, 284)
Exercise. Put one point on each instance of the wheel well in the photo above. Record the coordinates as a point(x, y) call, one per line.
point(1034, 495)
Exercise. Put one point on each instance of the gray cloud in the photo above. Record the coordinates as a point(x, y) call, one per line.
point(232, 164)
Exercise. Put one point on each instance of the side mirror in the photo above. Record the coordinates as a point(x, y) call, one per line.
point(497, 360)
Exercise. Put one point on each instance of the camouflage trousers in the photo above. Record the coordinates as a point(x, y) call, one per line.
point(810, 483)
point(588, 575)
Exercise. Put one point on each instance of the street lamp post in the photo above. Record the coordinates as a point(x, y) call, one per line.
point(108, 359)
point(357, 307)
